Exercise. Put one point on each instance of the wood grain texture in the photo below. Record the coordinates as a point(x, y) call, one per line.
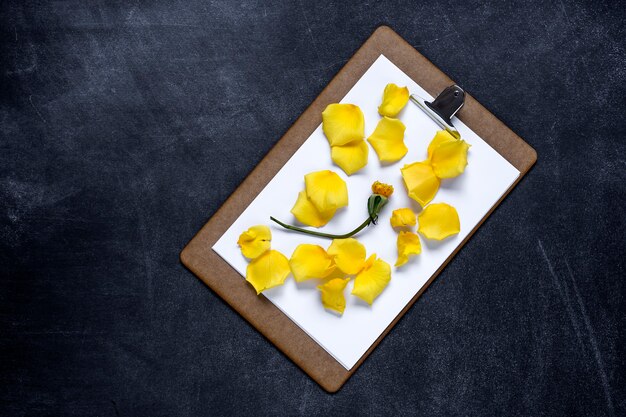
point(260, 312)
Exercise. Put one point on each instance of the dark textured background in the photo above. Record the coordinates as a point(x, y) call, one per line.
point(125, 124)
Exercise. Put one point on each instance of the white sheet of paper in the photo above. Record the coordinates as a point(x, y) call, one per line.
point(348, 337)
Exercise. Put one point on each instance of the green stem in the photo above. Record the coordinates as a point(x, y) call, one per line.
point(326, 235)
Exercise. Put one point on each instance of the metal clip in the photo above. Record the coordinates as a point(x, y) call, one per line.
point(444, 107)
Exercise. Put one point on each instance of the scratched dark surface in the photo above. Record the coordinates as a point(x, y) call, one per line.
point(124, 126)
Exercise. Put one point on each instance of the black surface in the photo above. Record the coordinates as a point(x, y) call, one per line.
point(124, 126)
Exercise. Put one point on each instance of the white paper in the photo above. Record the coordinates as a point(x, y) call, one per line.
point(473, 193)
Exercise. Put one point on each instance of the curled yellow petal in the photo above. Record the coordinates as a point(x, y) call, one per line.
point(343, 123)
point(388, 140)
point(372, 279)
point(310, 261)
point(332, 294)
point(348, 254)
point(326, 190)
point(306, 213)
point(403, 217)
point(447, 155)
point(267, 271)
point(394, 100)
point(408, 245)
point(438, 221)
point(441, 137)
point(255, 241)
point(421, 182)
point(350, 157)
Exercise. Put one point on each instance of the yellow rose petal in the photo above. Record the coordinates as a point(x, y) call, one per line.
point(267, 271)
point(403, 217)
point(332, 294)
point(438, 221)
point(255, 241)
point(348, 254)
point(421, 182)
point(408, 245)
point(441, 137)
point(350, 157)
point(388, 140)
point(343, 123)
point(394, 100)
point(372, 280)
point(310, 261)
point(447, 155)
point(326, 190)
point(306, 213)
point(336, 273)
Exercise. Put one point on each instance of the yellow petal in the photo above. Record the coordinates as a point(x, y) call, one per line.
point(255, 241)
point(306, 213)
point(447, 155)
point(408, 244)
point(267, 271)
point(438, 221)
point(332, 294)
point(372, 280)
point(388, 140)
point(326, 190)
point(441, 137)
point(403, 217)
point(310, 261)
point(348, 254)
point(394, 100)
point(350, 157)
point(421, 182)
point(336, 273)
point(343, 123)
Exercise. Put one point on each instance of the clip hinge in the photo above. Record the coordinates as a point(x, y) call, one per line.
point(444, 107)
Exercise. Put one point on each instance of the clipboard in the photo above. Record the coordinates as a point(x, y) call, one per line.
point(198, 256)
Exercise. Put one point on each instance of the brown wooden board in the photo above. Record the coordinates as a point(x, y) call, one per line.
point(258, 310)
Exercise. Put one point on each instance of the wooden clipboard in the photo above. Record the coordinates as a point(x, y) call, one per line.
point(259, 311)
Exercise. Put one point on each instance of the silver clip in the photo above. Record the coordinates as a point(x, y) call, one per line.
point(443, 108)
